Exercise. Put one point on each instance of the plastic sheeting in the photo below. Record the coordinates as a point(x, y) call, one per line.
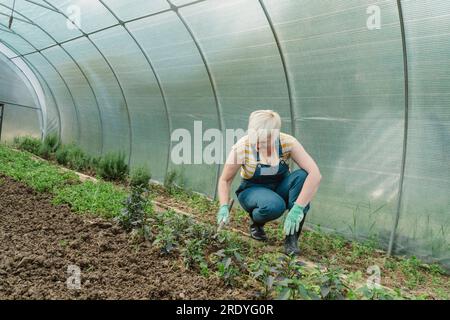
point(128, 73)
point(21, 115)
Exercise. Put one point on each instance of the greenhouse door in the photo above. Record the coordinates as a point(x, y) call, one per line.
point(2, 106)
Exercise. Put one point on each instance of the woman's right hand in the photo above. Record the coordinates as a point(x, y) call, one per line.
point(223, 215)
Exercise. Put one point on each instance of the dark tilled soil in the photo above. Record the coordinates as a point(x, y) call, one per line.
point(39, 241)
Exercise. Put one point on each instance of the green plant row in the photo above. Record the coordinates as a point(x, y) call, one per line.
point(111, 166)
point(102, 198)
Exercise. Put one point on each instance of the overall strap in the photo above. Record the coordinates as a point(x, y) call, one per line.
point(280, 148)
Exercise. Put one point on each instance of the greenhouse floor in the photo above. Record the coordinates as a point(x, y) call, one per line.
point(52, 217)
point(38, 240)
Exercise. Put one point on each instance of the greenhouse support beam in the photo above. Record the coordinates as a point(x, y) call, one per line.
point(157, 78)
point(405, 131)
point(41, 78)
point(2, 106)
point(130, 131)
point(18, 105)
point(212, 82)
point(106, 28)
point(285, 69)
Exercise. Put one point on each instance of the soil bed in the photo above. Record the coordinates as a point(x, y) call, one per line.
point(38, 241)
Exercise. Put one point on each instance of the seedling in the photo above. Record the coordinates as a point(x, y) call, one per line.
point(193, 255)
point(27, 143)
point(331, 284)
point(376, 293)
point(49, 146)
point(165, 240)
point(294, 288)
point(227, 271)
point(113, 166)
point(140, 177)
point(266, 274)
point(134, 214)
point(411, 269)
point(169, 180)
point(231, 264)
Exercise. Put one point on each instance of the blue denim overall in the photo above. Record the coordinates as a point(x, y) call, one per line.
point(271, 190)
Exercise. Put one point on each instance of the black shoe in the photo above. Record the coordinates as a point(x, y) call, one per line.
point(257, 232)
point(291, 245)
point(291, 242)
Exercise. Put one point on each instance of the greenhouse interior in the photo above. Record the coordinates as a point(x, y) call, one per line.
point(363, 85)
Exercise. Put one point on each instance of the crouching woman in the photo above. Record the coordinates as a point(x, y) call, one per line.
point(268, 187)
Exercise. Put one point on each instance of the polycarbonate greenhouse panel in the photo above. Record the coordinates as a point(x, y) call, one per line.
point(36, 37)
point(52, 113)
point(19, 44)
point(148, 115)
point(188, 91)
point(112, 103)
point(243, 57)
point(349, 108)
point(91, 133)
point(48, 19)
point(424, 226)
point(28, 119)
point(88, 15)
point(13, 88)
point(140, 8)
point(63, 97)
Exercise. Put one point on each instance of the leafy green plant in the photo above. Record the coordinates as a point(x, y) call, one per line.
point(37, 174)
point(360, 250)
point(169, 180)
point(200, 231)
point(113, 167)
point(165, 239)
point(289, 282)
point(101, 198)
point(134, 215)
point(266, 274)
point(230, 265)
point(73, 157)
point(331, 285)
point(227, 271)
point(180, 223)
point(374, 293)
point(49, 146)
point(411, 269)
point(294, 288)
point(193, 255)
point(27, 143)
point(140, 177)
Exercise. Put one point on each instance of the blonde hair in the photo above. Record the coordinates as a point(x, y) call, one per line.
point(263, 123)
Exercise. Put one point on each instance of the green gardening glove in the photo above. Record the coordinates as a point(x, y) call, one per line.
point(223, 214)
point(293, 219)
